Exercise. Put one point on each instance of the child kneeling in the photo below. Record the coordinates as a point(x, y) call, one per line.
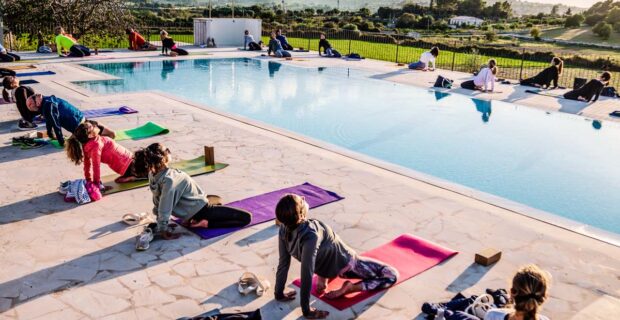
point(321, 251)
point(176, 194)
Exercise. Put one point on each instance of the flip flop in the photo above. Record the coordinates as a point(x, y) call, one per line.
point(133, 219)
point(249, 282)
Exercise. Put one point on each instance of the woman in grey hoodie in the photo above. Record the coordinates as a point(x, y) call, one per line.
point(175, 193)
point(321, 252)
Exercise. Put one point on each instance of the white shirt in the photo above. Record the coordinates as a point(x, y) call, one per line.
point(427, 58)
point(484, 78)
point(500, 314)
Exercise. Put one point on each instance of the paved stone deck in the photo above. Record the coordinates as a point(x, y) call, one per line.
point(61, 261)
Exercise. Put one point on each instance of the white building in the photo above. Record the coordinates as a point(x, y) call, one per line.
point(465, 21)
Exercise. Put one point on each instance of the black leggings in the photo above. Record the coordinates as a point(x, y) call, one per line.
point(223, 216)
point(78, 50)
point(9, 57)
point(21, 94)
point(531, 82)
point(253, 46)
point(470, 85)
point(179, 51)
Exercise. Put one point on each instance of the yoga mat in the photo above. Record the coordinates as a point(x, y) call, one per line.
point(263, 207)
point(37, 73)
point(409, 254)
point(147, 130)
point(544, 93)
point(28, 81)
point(192, 167)
point(98, 113)
point(20, 67)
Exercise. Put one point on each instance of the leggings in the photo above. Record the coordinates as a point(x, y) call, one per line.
point(374, 274)
point(470, 85)
point(21, 94)
point(179, 51)
point(282, 54)
point(531, 82)
point(223, 216)
point(9, 57)
point(253, 46)
point(78, 50)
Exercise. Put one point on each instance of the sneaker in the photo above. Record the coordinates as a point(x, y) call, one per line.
point(144, 239)
point(64, 187)
point(25, 125)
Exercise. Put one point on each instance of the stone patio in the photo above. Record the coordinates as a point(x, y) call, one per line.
point(63, 261)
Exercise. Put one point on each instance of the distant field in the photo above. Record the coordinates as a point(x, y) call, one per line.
point(583, 34)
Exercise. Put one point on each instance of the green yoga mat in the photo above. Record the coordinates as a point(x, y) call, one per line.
point(149, 129)
point(192, 167)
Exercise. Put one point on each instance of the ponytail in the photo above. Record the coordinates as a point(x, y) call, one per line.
point(5, 95)
point(74, 150)
point(529, 291)
point(559, 64)
point(493, 66)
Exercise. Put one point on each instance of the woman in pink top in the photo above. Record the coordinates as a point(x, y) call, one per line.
point(88, 146)
point(484, 80)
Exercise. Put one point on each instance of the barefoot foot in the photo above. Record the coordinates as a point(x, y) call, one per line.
point(199, 224)
point(347, 287)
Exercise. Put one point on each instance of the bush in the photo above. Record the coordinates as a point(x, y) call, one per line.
point(407, 20)
point(330, 25)
point(529, 25)
point(490, 36)
point(350, 26)
point(613, 16)
point(535, 33)
point(574, 21)
point(593, 19)
point(366, 25)
point(617, 27)
point(602, 29)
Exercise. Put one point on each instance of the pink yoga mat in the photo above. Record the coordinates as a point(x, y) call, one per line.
point(409, 254)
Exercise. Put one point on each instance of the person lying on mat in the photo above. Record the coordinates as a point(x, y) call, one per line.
point(13, 92)
point(484, 79)
point(590, 90)
point(283, 40)
point(323, 253)
point(176, 194)
point(59, 114)
point(6, 56)
point(137, 41)
point(545, 77)
point(327, 47)
point(88, 146)
point(528, 293)
point(249, 43)
point(167, 43)
point(65, 42)
point(276, 47)
point(426, 60)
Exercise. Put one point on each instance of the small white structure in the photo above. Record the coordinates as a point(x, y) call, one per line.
point(466, 21)
point(227, 32)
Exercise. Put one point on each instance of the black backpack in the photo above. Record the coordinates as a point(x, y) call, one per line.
point(609, 92)
point(442, 82)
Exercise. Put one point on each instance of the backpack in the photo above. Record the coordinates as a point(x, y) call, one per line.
point(442, 82)
point(354, 56)
point(609, 92)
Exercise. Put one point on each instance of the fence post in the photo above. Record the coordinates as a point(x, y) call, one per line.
point(308, 48)
point(453, 55)
point(522, 60)
point(349, 45)
point(397, 46)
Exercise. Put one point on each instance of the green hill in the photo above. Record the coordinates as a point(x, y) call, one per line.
point(583, 34)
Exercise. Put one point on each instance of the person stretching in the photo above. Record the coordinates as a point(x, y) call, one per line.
point(484, 79)
point(426, 60)
point(137, 42)
point(176, 194)
point(321, 251)
point(88, 146)
point(590, 90)
point(6, 56)
point(65, 42)
point(13, 92)
point(59, 114)
point(545, 77)
point(327, 47)
point(283, 40)
point(528, 293)
point(249, 43)
point(167, 43)
point(276, 47)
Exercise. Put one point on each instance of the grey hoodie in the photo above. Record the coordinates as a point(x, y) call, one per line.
point(319, 250)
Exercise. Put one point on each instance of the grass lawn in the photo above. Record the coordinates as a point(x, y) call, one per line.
point(583, 34)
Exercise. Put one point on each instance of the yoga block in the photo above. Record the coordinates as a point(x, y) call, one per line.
point(41, 134)
point(401, 64)
point(579, 82)
point(488, 256)
point(209, 156)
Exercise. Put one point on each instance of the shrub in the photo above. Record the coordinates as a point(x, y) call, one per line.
point(602, 29)
point(350, 26)
point(593, 19)
point(490, 36)
point(574, 21)
point(613, 16)
point(535, 33)
point(330, 25)
point(407, 20)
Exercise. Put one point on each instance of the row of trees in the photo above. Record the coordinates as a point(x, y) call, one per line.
point(447, 8)
point(603, 17)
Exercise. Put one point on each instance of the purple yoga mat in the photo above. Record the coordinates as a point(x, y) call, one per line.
point(263, 207)
point(102, 112)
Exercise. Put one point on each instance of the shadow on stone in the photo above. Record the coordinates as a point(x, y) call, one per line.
point(468, 277)
point(230, 293)
point(11, 153)
point(32, 208)
point(259, 236)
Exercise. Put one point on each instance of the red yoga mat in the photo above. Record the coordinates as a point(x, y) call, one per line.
point(409, 254)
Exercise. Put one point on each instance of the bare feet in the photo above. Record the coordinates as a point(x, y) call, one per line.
point(321, 284)
point(347, 287)
point(199, 224)
point(287, 296)
point(317, 314)
point(125, 179)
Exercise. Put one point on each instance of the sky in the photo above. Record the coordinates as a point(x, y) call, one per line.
point(576, 3)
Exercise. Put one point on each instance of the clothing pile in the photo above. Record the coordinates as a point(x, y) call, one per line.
point(80, 191)
point(464, 308)
point(28, 142)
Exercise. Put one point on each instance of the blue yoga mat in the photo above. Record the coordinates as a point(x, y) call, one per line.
point(28, 81)
point(102, 112)
point(37, 73)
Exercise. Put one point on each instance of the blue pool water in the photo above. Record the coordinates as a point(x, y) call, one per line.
point(560, 163)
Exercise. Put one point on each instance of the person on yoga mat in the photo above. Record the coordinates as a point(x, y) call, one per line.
point(13, 92)
point(6, 56)
point(426, 60)
point(283, 40)
point(167, 43)
point(275, 47)
point(59, 114)
point(484, 79)
point(137, 41)
point(590, 90)
point(527, 295)
point(176, 194)
point(323, 253)
point(88, 146)
point(545, 77)
point(327, 47)
point(67, 43)
point(249, 43)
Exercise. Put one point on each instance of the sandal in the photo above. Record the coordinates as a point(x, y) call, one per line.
point(133, 219)
point(214, 200)
point(249, 282)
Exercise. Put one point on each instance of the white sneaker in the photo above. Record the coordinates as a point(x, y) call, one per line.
point(143, 241)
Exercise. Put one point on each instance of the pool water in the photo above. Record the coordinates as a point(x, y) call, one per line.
point(560, 163)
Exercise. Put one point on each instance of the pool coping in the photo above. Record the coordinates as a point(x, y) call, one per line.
point(556, 220)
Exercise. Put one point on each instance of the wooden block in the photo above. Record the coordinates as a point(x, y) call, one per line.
point(41, 134)
point(401, 64)
point(488, 256)
point(209, 156)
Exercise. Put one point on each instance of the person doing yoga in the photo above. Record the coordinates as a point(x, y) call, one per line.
point(89, 147)
point(6, 56)
point(176, 194)
point(484, 79)
point(327, 47)
point(249, 43)
point(426, 60)
point(13, 92)
point(167, 43)
point(590, 90)
point(323, 253)
point(137, 41)
point(65, 42)
point(283, 40)
point(276, 47)
point(527, 295)
point(545, 77)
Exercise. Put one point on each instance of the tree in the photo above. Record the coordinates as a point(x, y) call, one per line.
point(574, 21)
point(425, 22)
point(555, 9)
point(407, 20)
point(535, 33)
point(602, 29)
point(386, 12)
point(490, 36)
point(595, 18)
point(364, 12)
point(569, 12)
point(349, 26)
point(613, 16)
point(471, 7)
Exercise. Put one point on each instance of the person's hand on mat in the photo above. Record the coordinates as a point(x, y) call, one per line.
point(199, 224)
point(287, 296)
point(580, 98)
point(321, 285)
point(317, 314)
point(167, 235)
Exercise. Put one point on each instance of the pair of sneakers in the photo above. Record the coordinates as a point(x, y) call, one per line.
point(26, 125)
point(143, 241)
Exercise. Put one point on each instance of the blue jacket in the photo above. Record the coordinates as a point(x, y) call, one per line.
point(283, 40)
point(60, 114)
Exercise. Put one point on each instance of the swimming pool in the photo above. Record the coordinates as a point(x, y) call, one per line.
point(555, 162)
